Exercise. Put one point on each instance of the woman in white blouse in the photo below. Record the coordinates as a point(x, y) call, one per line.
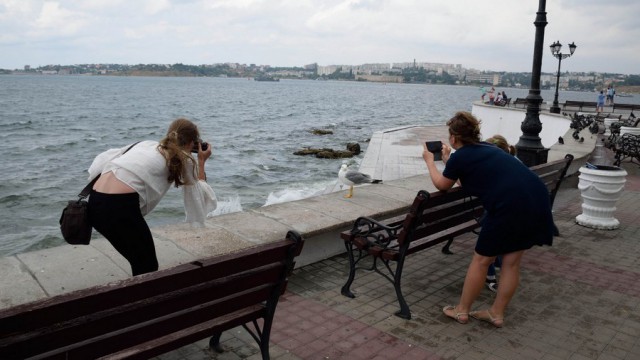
point(134, 179)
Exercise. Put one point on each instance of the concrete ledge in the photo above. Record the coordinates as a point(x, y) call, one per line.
point(49, 272)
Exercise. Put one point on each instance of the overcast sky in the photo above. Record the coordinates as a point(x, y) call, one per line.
point(485, 35)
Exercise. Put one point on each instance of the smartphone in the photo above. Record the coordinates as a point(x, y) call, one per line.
point(434, 146)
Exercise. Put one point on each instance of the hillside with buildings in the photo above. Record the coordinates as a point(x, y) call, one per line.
point(403, 72)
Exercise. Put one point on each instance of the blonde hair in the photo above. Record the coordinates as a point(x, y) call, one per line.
point(181, 132)
point(501, 142)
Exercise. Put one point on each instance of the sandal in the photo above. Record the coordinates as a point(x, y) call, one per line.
point(485, 315)
point(461, 318)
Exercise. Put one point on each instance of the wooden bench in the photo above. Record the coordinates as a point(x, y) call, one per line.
point(520, 101)
point(625, 107)
point(150, 314)
point(627, 147)
point(433, 219)
point(581, 105)
point(503, 102)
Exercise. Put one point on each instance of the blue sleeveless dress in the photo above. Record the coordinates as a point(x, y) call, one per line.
point(516, 202)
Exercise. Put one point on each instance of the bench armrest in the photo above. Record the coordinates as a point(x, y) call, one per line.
point(375, 232)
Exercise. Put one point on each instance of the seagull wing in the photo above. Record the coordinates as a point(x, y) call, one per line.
point(357, 177)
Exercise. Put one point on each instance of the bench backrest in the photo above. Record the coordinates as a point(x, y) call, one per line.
point(625, 107)
point(432, 213)
point(552, 173)
point(104, 319)
point(579, 104)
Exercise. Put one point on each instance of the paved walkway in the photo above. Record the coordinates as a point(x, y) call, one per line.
point(579, 299)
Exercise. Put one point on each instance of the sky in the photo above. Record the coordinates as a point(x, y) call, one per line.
point(483, 35)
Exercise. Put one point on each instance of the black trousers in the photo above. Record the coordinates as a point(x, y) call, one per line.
point(118, 218)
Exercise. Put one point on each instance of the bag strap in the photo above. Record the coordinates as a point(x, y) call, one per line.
point(87, 189)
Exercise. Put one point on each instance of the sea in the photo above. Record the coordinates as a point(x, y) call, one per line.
point(51, 128)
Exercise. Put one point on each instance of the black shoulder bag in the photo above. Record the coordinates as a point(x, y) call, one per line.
point(74, 221)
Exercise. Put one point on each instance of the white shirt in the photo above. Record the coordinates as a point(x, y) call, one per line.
point(144, 169)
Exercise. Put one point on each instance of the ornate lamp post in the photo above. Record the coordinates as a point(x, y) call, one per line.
point(555, 50)
point(530, 149)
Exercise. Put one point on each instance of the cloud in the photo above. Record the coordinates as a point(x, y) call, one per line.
point(153, 7)
point(291, 33)
point(54, 20)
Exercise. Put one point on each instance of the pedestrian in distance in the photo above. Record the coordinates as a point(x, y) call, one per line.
point(483, 93)
point(133, 180)
point(600, 102)
point(518, 213)
point(492, 96)
point(611, 92)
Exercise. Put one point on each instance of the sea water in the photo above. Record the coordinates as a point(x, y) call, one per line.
point(51, 128)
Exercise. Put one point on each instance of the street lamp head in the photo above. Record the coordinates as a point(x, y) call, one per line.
point(572, 48)
point(555, 47)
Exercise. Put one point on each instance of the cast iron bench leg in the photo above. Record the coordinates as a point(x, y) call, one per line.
point(352, 272)
point(214, 343)
point(445, 248)
point(404, 311)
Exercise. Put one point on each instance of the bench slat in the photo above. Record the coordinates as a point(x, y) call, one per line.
point(169, 324)
point(187, 336)
point(432, 240)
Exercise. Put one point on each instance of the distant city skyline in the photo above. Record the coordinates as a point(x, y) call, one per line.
point(479, 35)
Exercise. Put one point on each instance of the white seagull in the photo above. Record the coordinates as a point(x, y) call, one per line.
point(352, 177)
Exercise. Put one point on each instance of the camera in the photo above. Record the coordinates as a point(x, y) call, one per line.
point(435, 147)
point(205, 146)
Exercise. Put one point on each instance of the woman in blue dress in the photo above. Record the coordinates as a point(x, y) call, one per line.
point(517, 209)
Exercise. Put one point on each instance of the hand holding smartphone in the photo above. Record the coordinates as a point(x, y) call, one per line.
point(435, 147)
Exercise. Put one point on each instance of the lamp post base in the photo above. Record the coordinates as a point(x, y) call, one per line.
point(554, 109)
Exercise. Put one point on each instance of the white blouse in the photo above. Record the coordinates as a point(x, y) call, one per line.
point(145, 170)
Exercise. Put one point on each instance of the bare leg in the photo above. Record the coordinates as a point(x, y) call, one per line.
point(473, 283)
point(509, 280)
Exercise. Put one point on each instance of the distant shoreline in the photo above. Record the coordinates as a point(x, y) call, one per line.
point(628, 89)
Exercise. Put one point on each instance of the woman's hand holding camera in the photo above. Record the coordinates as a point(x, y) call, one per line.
point(203, 155)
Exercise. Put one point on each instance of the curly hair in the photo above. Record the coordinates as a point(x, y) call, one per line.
point(501, 142)
point(181, 132)
point(465, 127)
